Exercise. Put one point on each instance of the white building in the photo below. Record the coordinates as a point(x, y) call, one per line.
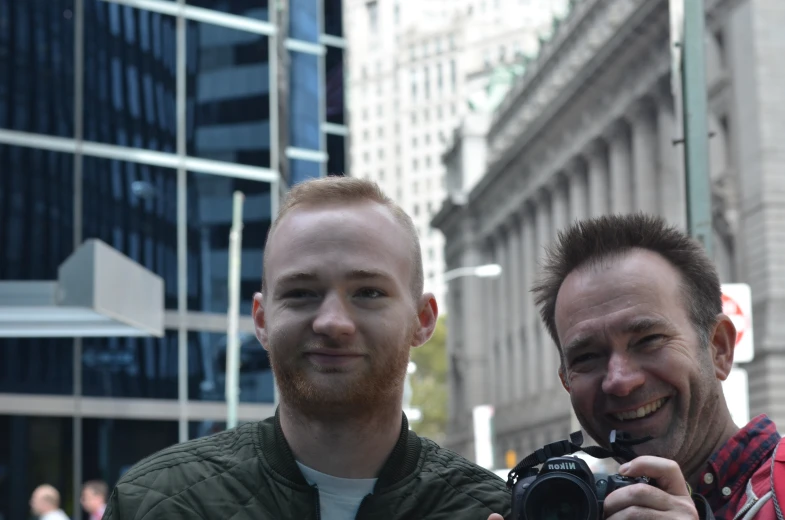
point(413, 67)
point(590, 129)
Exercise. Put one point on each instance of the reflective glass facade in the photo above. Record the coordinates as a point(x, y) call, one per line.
point(137, 131)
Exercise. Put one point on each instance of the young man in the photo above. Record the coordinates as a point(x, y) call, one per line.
point(635, 309)
point(341, 305)
point(93, 499)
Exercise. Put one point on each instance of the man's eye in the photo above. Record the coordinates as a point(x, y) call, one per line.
point(583, 358)
point(370, 293)
point(650, 339)
point(299, 293)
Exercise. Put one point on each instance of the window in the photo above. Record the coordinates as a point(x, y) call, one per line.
point(380, 153)
point(365, 114)
point(427, 81)
point(414, 118)
point(415, 186)
point(439, 76)
point(453, 110)
point(381, 175)
point(366, 157)
point(439, 113)
point(397, 13)
point(416, 210)
point(304, 128)
point(426, 115)
point(414, 84)
point(431, 255)
point(453, 74)
point(414, 142)
point(452, 42)
point(379, 111)
point(414, 166)
point(380, 132)
point(502, 53)
point(373, 14)
point(486, 60)
point(427, 139)
point(427, 162)
point(366, 135)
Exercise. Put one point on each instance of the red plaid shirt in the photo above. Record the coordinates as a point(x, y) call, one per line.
point(724, 481)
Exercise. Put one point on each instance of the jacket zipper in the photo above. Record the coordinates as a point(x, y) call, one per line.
point(360, 509)
point(318, 504)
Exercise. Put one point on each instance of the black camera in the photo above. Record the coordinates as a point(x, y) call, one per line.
point(564, 489)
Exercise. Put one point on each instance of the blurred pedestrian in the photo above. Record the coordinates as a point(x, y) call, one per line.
point(45, 503)
point(94, 496)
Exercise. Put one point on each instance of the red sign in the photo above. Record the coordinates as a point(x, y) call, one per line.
point(734, 311)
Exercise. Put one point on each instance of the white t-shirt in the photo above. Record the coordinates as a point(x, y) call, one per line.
point(57, 514)
point(339, 498)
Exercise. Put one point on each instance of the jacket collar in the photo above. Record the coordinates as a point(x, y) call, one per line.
point(402, 462)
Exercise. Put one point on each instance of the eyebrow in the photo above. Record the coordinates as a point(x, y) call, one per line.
point(636, 326)
point(354, 275)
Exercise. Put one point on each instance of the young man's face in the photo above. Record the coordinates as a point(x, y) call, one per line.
point(338, 317)
point(633, 359)
point(91, 501)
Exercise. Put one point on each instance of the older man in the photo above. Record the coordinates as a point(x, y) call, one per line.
point(45, 503)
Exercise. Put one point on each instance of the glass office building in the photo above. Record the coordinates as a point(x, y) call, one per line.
point(133, 123)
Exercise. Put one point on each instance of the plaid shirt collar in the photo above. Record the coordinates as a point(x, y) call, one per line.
point(724, 480)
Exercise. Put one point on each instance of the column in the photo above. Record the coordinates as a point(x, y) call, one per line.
point(474, 339)
point(673, 185)
point(529, 255)
point(513, 277)
point(597, 178)
point(543, 237)
point(503, 291)
point(456, 353)
point(490, 324)
point(579, 202)
point(620, 166)
point(560, 216)
point(644, 156)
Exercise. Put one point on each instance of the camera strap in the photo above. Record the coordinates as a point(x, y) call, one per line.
point(621, 449)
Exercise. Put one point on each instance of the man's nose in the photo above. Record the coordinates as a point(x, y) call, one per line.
point(334, 318)
point(623, 376)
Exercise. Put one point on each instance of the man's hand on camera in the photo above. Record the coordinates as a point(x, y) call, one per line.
point(669, 499)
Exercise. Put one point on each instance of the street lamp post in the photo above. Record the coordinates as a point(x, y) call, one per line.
point(481, 271)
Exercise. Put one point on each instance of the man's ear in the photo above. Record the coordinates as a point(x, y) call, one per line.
point(722, 344)
point(427, 314)
point(563, 377)
point(259, 321)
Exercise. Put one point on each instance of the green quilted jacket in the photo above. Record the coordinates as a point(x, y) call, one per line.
point(250, 473)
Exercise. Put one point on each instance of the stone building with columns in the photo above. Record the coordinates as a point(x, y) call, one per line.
point(591, 129)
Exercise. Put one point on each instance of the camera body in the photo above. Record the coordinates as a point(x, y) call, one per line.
point(564, 489)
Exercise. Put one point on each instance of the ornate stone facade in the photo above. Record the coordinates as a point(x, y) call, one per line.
point(590, 129)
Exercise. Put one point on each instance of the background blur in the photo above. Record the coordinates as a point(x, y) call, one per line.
point(127, 125)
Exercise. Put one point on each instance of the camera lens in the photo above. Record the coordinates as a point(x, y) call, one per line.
point(560, 497)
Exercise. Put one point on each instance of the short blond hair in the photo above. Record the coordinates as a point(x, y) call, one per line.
point(344, 190)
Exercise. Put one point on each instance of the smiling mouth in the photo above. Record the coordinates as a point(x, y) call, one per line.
point(642, 412)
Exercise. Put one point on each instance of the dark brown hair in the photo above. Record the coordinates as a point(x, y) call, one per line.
point(589, 241)
point(347, 190)
point(98, 487)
